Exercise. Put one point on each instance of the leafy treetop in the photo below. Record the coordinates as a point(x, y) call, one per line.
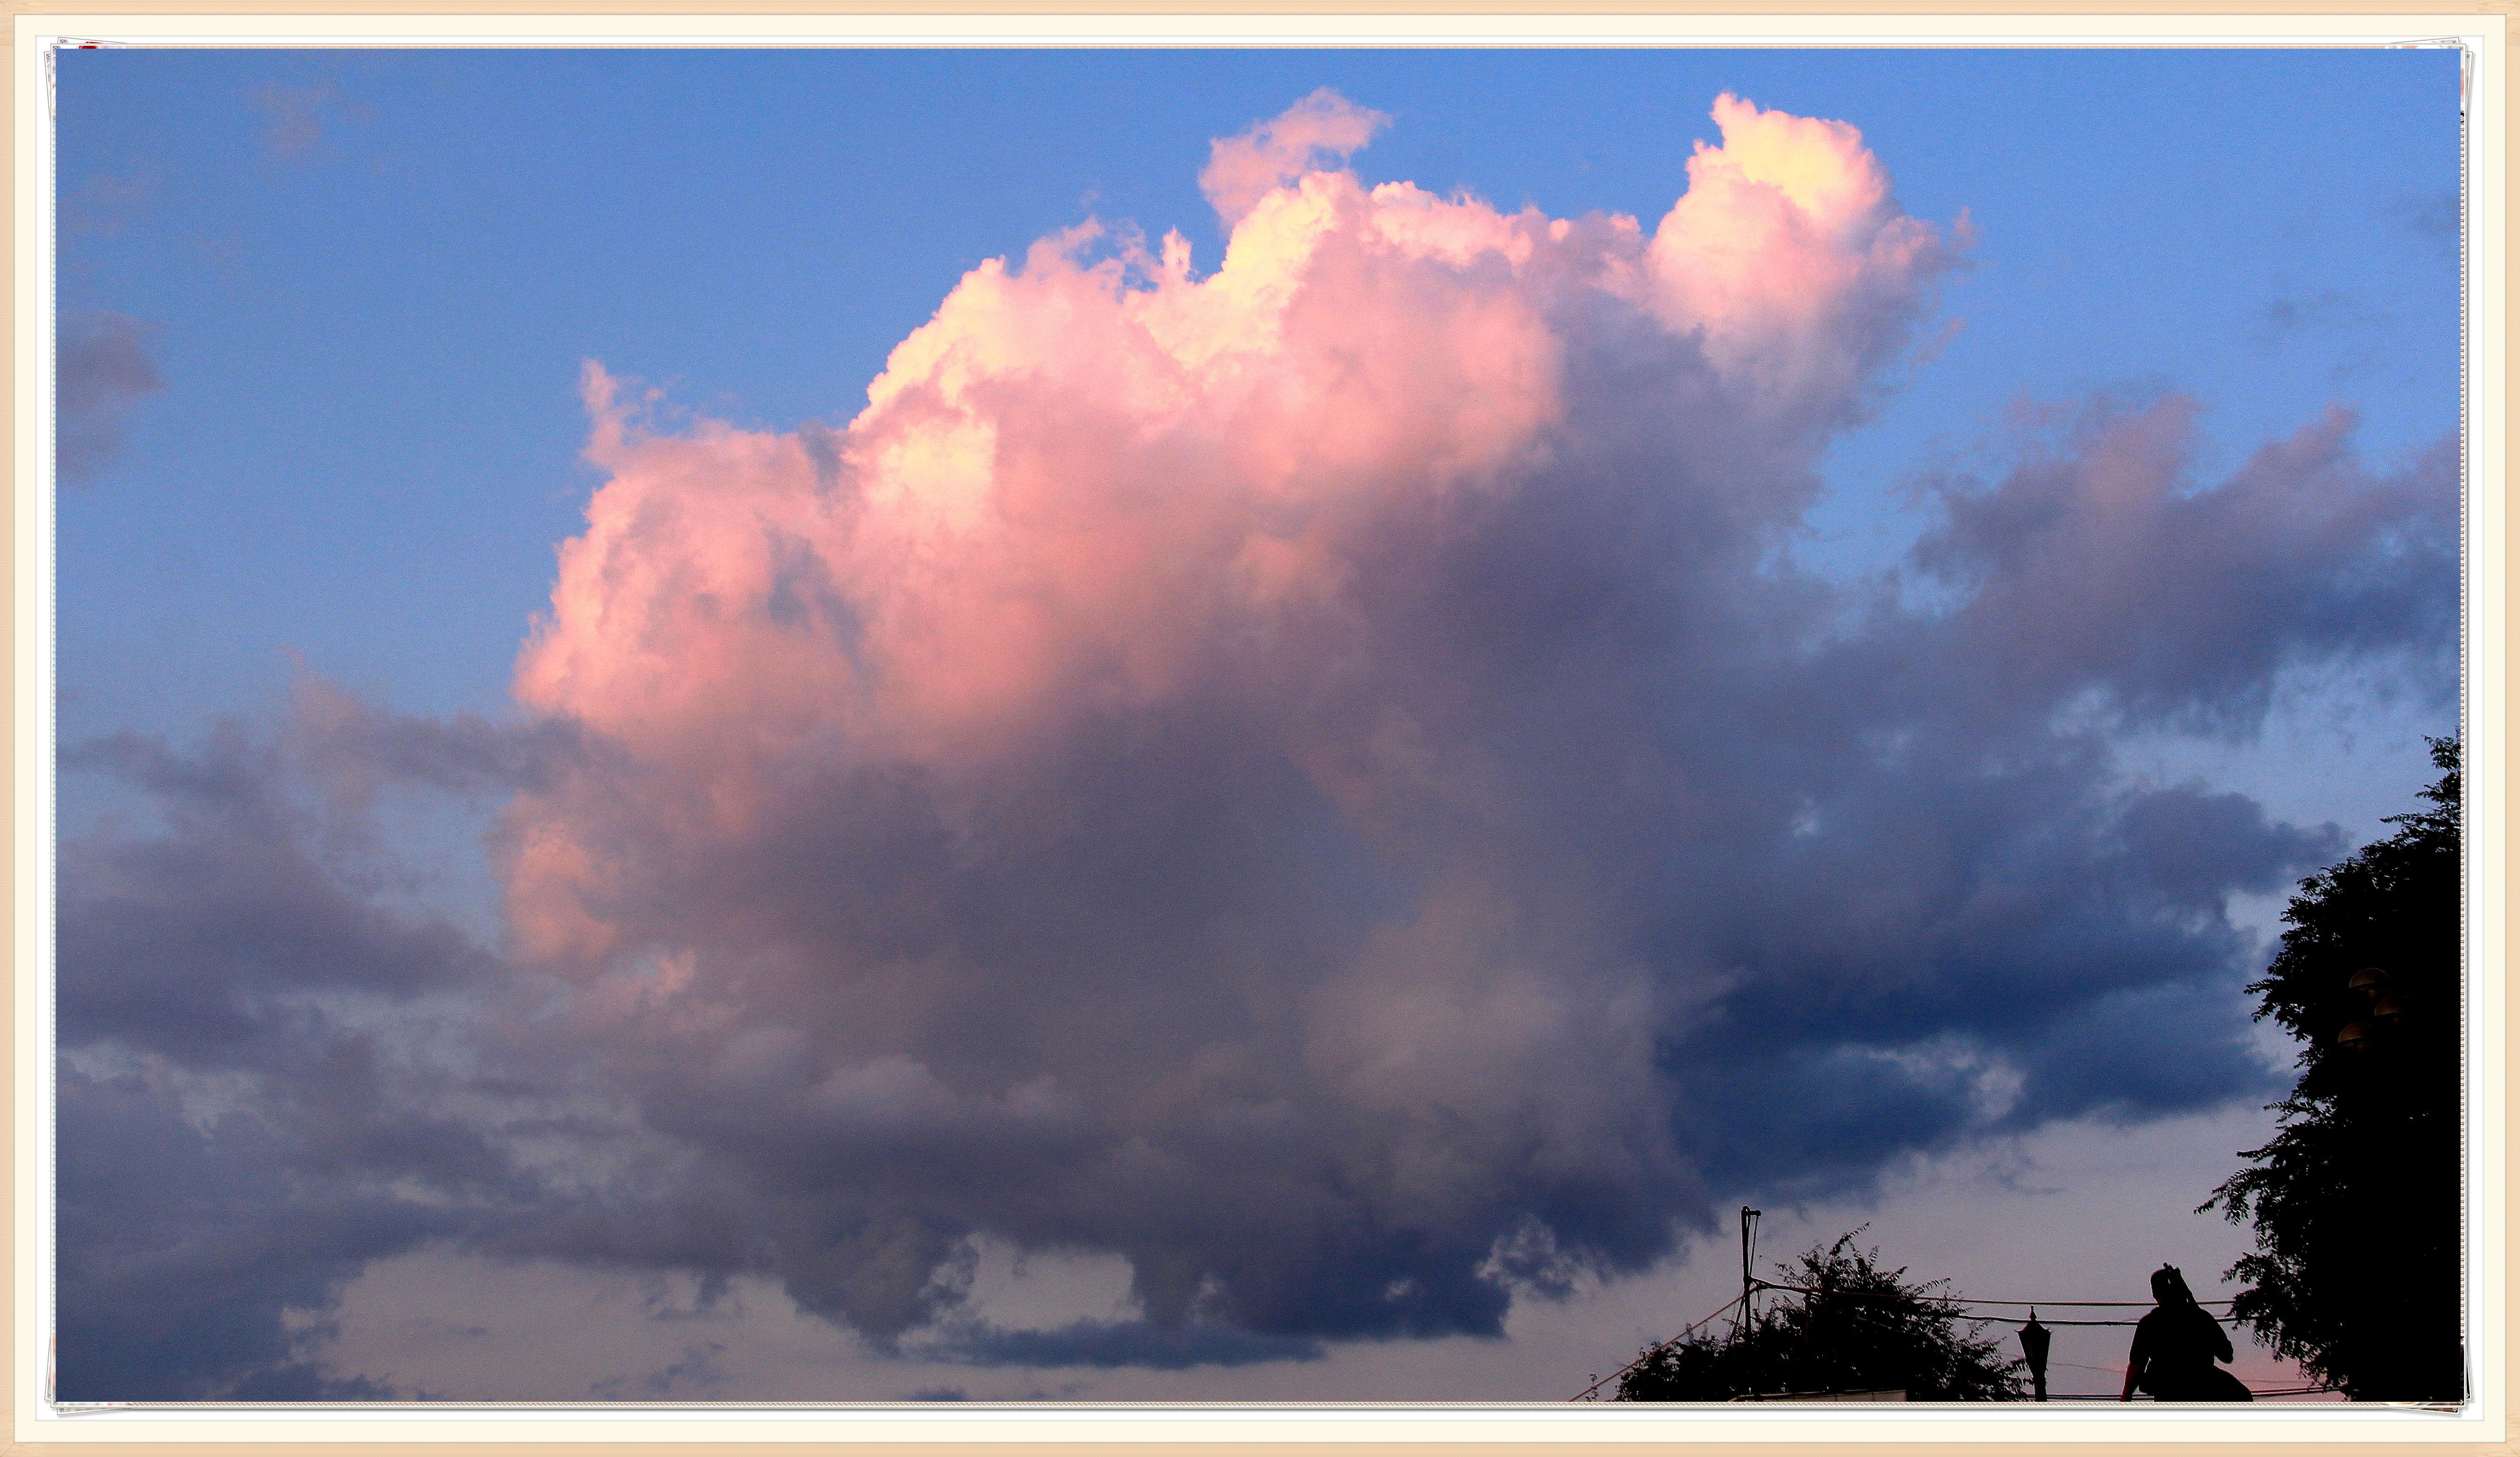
point(2356, 1198)
point(1853, 1327)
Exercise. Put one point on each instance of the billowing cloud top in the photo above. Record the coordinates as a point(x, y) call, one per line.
point(1317, 778)
point(1080, 477)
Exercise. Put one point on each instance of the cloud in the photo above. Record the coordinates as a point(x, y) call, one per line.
point(1790, 253)
point(2361, 337)
point(1244, 169)
point(1111, 1343)
point(351, 748)
point(1312, 779)
point(100, 369)
point(182, 945)
point(2325, 311)
point(2434, 217)
point(1312, 783)
point(269, 1078)
point(106, 203)
point(690, 1377)
point(296, 120)
point(184, 1251)
point(2099, 571)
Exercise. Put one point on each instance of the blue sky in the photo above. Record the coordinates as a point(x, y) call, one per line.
point(371, 336)
point(1978, 703)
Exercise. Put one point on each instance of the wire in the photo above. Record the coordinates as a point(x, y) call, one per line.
point(1653, 1351)
point(1757, 1285)
point(2253, 1390)
point(2222, 1320)
point(1895, 1294)
point(1970, 1300)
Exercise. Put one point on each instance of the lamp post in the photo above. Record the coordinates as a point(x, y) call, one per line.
point(2034, 1348)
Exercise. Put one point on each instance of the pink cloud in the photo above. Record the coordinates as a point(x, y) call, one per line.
point(1103, 500)
point(1078, 477)
point(1789, 251)
point(1300, 721)
point(1243, 169)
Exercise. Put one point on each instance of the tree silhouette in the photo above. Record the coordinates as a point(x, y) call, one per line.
point(2356, 1200)
point(1860, 1328)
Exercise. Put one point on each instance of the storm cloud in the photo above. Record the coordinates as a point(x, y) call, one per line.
point(258, 1089)
point(1312, 777)
point(1320, 779)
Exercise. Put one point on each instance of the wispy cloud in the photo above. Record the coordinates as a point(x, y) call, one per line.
point(106, 203)
point(298, 121)
point(101, 370)
point(2326, 311)
point(2434, 216)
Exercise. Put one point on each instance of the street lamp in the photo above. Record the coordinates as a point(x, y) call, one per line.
point(2034, 1346)
point(2388, 1008)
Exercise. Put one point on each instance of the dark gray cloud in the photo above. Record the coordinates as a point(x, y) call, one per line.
point(1742, 899)
point(183, 1249)
point(100, 369)
point(2189, 845)
point(2100, 573)
point(256, 1098)
point(199, 944)
point(1701, 880)
point(353, 748)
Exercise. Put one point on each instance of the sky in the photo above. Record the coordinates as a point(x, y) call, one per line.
point(1201, 725)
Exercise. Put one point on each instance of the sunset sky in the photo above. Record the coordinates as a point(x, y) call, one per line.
point(1201, 725)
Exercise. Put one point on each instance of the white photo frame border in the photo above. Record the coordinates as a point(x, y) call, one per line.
point(2483, 38)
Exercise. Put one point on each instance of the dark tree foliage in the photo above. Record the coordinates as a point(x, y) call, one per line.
point(1867, 1330)
point(2356, 1197)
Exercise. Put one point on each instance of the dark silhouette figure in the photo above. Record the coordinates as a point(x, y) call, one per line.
point(2176, 1347)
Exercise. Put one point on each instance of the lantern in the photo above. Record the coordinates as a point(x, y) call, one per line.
point(2034, 1349)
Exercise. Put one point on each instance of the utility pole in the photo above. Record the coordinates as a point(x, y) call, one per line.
point(1749, 1245)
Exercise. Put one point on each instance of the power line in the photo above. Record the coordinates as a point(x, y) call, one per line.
point(1743, 1301)
point(1968, 1300)
point(1893, 1295)
point(2253, 1390)
point(2224, 1320)
point(1653, 1351)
